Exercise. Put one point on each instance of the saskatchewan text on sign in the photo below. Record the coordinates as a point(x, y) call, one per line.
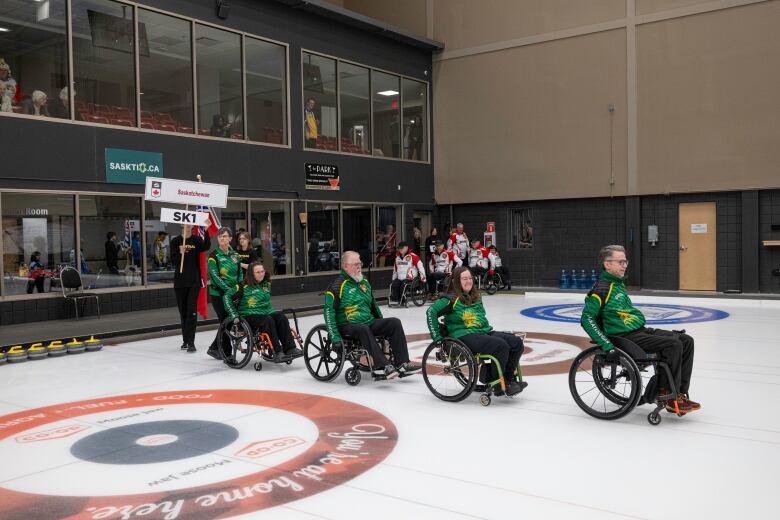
point(190, 193)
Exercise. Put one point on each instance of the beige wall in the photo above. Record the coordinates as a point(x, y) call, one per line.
point(521, 114)
point(468, 23)
point(531, 122)
point(709, 101)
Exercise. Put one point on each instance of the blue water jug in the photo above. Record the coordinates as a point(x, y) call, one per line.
point(593, 277)
point(573, 281)
point(563, 283)
point(584, 280)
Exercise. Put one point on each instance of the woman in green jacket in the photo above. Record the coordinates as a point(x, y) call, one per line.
point(224, 268)
point(254, 305)
point(465, 319)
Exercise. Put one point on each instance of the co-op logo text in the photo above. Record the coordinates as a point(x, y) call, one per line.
point(134, 167)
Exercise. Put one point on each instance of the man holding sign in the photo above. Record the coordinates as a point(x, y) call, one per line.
point(188, 279)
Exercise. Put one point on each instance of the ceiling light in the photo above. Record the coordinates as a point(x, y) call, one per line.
point(5, 29)
point(388, 93)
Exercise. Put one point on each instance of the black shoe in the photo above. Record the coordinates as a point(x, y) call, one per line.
point(191, 348)
point(294, 353)
point(404, 369)
point(214, 353)
point(388, 372)
point(184, 346)
point(514, 388)
point(279, 356)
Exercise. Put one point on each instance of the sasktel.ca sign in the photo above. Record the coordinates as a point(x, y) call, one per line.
point(184, 454)
point(186, 192)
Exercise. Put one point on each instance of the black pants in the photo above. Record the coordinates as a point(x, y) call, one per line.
point(391, 328)
point(187, 300)
point(395, 290)
point(477, 272)
point(35, 283)
point(506, 348)
point(673, 348)
point(219, 308)
point(432, 279)
point(278, 328)
point(505, 276)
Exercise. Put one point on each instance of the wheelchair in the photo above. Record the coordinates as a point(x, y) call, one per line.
point(415, 290)
point(244, 343)
point(440, 289)
point(490, 283)
point(609, 386)
point(325, 361)
point(452, 372)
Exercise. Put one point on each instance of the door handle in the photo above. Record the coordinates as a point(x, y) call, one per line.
point(683, 248)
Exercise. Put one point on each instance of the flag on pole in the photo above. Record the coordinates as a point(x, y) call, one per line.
point(126, 244)
point(203, 305)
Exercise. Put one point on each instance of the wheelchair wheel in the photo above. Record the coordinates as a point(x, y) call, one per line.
point(605, 387)
point(240, 335)
point(419, 293)
point(491, 287)
point(449, 370)
point(322, 360)
point(352, 376)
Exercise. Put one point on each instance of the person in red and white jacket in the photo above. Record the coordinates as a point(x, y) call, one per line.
point(479, 261)
point(459, 242)
point(407, 267)
point(441, 264)
point(497, 265)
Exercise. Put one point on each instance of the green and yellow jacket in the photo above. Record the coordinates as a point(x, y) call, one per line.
point(252, 300)
point(347, 301)
point(608, 311)
point(224, 272)
point(459, 318)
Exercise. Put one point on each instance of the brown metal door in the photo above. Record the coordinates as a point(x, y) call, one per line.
point(697, 246)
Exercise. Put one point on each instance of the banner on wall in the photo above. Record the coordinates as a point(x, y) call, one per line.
point(132, 166)
point(322, 177)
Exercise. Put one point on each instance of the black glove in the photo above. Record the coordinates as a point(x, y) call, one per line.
point(612, 355)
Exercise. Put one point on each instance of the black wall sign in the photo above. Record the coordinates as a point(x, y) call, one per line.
point(322, 177)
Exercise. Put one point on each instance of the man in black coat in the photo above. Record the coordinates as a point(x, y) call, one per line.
point(188, 281)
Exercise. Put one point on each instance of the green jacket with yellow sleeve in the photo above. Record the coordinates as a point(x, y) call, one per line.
point(251, 300)
point(224, 272)
point(459, 318)
point(608, 311)
point(348, 301)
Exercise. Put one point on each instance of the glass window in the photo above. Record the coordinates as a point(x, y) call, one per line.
point(320, 115)
point(386, 234)
point(158, 243)
point(357, 231)
point(415, 132)
point(271, 232)
point(166, 73)
point(522, 230)
point(111, 240)
point(354, 90)
point(387, 132)
point(38, 237)
point(323, 228)
point(234, 217)
point(103, 63)
point(266, 91)
point(34, 58)
point(218, 58)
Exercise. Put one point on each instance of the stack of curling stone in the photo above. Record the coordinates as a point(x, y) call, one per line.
point(37, 351)
point(16, 354)
point(3, 359)
point(57, 349)
point(93, 344)
point(76, 346)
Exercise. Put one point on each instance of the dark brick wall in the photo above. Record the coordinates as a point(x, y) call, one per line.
point(55, 308)
point(567, 234)
point(769, 257)
point(660, 263)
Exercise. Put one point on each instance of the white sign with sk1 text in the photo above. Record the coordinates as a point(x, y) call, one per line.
point(186, 192)
point(179, 216)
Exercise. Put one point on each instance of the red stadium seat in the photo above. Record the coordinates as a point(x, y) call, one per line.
point(164, 118)
point(92, 118)
point(147, 124)
point(165, 127)
point(121, 122)
point(184, 129)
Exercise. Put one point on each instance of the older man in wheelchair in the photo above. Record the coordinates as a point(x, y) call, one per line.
point(351, 310)
point(611, 320)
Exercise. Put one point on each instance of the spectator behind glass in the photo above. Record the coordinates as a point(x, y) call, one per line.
point(60, 108)
point(219, 127)
point(112, 253)
point(12, 89)
point(245, 251)
point(36, 105)
point(136, 248)
point(37, 273)
point(5, 99)
point(310, 123)
point(430, 242)
point(162, 256)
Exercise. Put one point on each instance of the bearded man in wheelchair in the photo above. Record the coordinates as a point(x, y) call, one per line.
point(351, 310)
point(610, 317)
